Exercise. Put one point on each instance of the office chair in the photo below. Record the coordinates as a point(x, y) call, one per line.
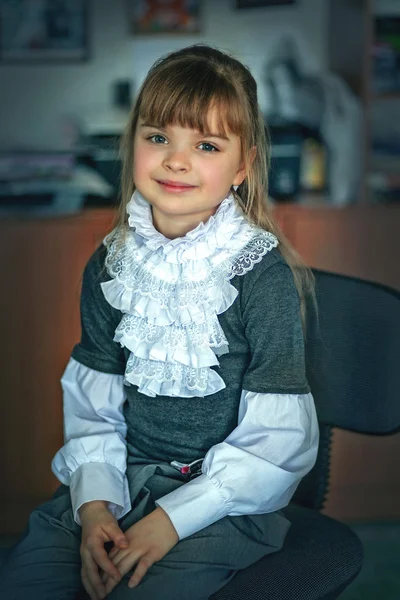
point(353, 368)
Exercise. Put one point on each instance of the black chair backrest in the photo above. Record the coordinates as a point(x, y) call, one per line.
point(353, 366)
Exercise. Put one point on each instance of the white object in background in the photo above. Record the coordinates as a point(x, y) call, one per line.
point(104, 121)
point(291, 94)
point(341, 129)
point(68, 194)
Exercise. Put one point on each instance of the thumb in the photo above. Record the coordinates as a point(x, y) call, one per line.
point(117, 536)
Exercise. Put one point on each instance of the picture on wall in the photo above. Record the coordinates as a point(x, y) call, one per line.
point(258, 3)
point(43, 30)
point(164, 16)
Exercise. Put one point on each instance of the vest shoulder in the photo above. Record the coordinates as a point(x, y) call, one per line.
point(271, 258)
point(95, 268)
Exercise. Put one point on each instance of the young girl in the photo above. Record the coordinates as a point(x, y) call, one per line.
point(189, 421)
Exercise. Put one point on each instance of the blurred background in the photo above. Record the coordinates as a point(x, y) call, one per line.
point(328, 74)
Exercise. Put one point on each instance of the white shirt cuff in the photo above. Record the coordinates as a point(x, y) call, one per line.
point(100, 481)
point(200, 499)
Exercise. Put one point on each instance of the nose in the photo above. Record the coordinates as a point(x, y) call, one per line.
point(177, 160)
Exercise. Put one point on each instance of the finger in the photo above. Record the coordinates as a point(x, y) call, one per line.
point(114, 552)
point(122, 543)
point(103, 561)
point(90, 589)
point(110, 585)
point(93, 575)
point(126, 560)
point(140, 571)
point(105, 577)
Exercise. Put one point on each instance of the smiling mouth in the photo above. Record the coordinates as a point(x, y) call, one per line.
point(175, 186)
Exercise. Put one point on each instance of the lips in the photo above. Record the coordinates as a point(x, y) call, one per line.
point(177, 184)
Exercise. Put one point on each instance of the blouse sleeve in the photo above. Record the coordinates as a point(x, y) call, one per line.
point(93, 459)
point(258, 467)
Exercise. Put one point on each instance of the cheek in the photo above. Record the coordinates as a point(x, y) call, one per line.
point(221, 171)
point(142, 161)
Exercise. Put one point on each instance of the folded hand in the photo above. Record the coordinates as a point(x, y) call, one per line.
point(149, 540)
point(98, 526)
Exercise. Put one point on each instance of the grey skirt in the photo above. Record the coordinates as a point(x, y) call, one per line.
point(45, 564)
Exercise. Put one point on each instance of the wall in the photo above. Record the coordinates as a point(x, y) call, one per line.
point(33, 99)
point(250, 34)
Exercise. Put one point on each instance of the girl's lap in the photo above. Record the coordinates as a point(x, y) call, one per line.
point(201, 564)
point(234, 542)
point(47, 558)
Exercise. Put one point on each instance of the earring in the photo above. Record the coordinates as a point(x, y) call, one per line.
point(235, 187)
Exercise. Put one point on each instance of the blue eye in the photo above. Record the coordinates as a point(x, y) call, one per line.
point(210, 148)
point(157, 135)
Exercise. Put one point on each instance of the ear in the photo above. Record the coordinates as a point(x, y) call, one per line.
point(242, 172)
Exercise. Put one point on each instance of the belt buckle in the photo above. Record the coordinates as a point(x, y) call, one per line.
point(191, 470)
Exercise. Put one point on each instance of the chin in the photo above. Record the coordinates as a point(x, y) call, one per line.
point(178, 211)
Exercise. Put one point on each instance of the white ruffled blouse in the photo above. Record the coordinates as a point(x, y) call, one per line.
point(170, 293)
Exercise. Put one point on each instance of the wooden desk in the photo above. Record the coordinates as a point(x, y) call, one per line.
point(41, 267)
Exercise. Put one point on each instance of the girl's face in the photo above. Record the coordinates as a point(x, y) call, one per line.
point(185, 175)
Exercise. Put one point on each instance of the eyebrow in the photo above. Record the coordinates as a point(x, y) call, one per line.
point(205, 134)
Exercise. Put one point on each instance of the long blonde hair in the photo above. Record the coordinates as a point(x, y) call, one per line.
point(180, 88)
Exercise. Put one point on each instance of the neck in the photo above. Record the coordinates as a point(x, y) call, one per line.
point(175, 227)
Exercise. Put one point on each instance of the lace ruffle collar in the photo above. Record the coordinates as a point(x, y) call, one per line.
point(171, 291)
